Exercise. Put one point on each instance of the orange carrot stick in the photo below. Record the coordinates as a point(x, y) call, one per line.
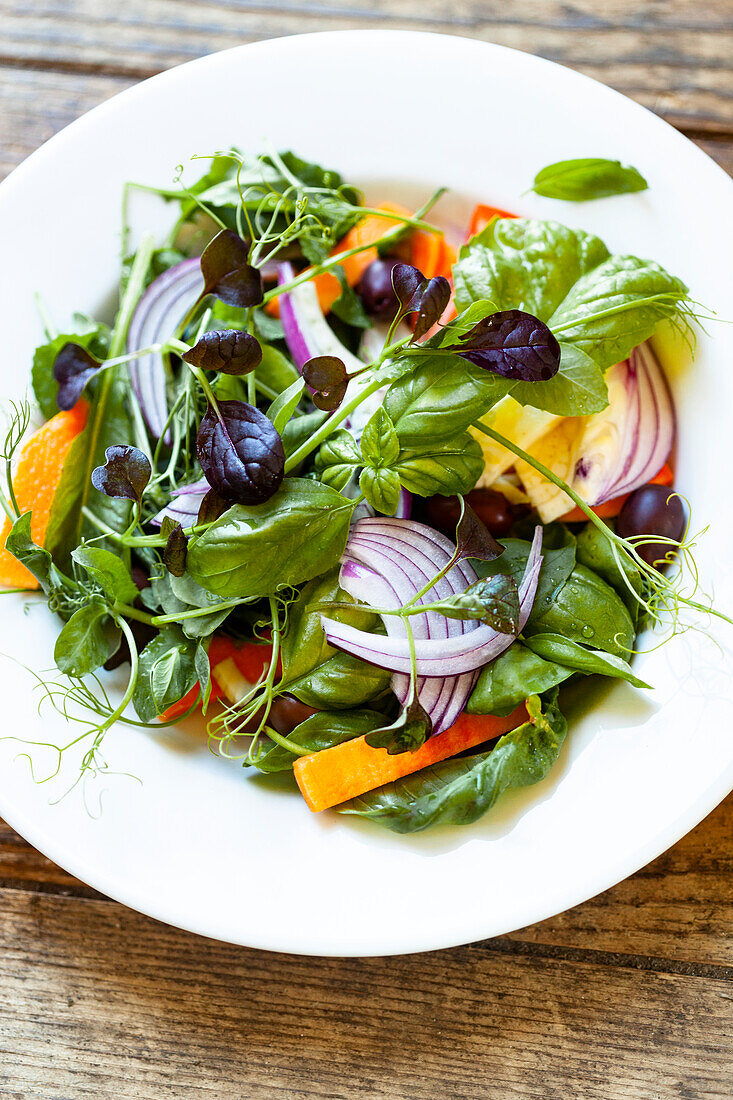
point(483, 214)
point(345, 771)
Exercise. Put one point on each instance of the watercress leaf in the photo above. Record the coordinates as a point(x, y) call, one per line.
point(230, 351)
point(175, 550)
point(326, 376)
point(520, 263)
point(473, 538)
point(87, 640)
point(72, 369)
point(227, 272)
point(514, 345)
point(109, 571)
point(585, 610)
point(379, 443)
point(211, 507)
point(167, 670)
point(90, 335)
point(440, 399)
point(453, 466)
point(587, 178)
point(37, 560)
point(571, 654)
point(381, 489)
point(410, 729)
point(615, 307)
point(240, 452)
point(320, 731)
point(459, 791)
point(285, 404)
point(126, 473)
point(506, 682)
point(297, 534)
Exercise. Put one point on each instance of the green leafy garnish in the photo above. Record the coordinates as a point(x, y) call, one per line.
point(587, 178)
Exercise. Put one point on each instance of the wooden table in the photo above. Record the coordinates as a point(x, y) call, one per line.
point(627, 996)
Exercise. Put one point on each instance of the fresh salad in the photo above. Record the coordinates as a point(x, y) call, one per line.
point(359, 490)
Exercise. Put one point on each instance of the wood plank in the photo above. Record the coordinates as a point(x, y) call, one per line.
point(97, 1001)
point(672, 56)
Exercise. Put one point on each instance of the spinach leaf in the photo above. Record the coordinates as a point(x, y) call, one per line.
point(577, 389)
point(507, 681)
point(37, 560)
point(285, 404)
point(565, 651)
point(557, 565)
point(439, 399)
point(255, 550)
point(587, 178)
point(453, 466)
point(90, 335)
point(240, 453)
point(459, 791)
point(275, 370)
point(585, 610)
point(87, 640)
point(167, 671)
point(594, 551)
point(341, 682)
point(320, 731)
point(175, 595)
point(300, 428)
point(109, 572)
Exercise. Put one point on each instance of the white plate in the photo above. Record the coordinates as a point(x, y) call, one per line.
point(199, 843)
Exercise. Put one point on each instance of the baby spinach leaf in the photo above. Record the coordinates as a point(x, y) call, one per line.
point(381, 489)
point(514, 345)
point(595, 551)
point(341, 682)
point(227, 272)
point(440, 399)
point(230, 351)
point(300, 428)
point(87, 640)
point(174, 595)
point(240, 452)
point(507, 681)
point(557, 565)
point(453, 466)
point(299, 533)
point(587, 178)
point(108, 571)
point(578, 388)
point(571, 654)
point(275, 370)
point(126, 473)
point(459, 791)
point(37, 560)
point(285, 404)
point(379, 443)
point(326, 376)
point(585, 610)
point(320, 731)
point(72, 369)
point(167, 671)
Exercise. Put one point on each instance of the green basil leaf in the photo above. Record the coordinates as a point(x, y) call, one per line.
point(587, 178)
point(202, 669)
point(167, 670)
point(571, 654)
point(109, 571)
point(255, 550)
point(285, 404)
point(338, 459)
point(320, 731)
point(87, 640)
point(381, 489)
point(453, 466)
point(379, 443)
point(439, 399)
point(461, 790)
point(37, 560)
point(585, 610)
point(507, 681)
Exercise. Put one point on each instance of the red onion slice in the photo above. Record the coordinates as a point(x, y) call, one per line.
point(307, 332)
point(184, 507)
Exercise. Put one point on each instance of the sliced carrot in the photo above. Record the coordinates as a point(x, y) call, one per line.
point(35, 482)
point(427, 253)
point(345, 771)
point(483, 214)
point(611, 508)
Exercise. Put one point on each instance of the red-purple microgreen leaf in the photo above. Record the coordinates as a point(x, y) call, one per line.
point(227, 272)
point(499, 597)
point(514, 345)
point(408, 732)
point(212, 506)
point(229, 351)
point(326, 376)
point(72, 369)
point(473, 538)
point(240, 453)
point(416, 294)
point(126, 473)
point(176, 547)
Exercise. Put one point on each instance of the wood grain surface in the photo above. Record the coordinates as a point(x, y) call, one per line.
point(627, 996)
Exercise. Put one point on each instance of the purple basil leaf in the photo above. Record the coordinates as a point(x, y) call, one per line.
point(212, 506)
point(500, 598)
point(230, 351)
point(176, 548)
point(126, 473)
point(416, 294)
point(227, 272)
point(473, 538)
point(514, 345)
point(408, 732)
point(326, 375)
point(240, 452)
point(72, 369)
